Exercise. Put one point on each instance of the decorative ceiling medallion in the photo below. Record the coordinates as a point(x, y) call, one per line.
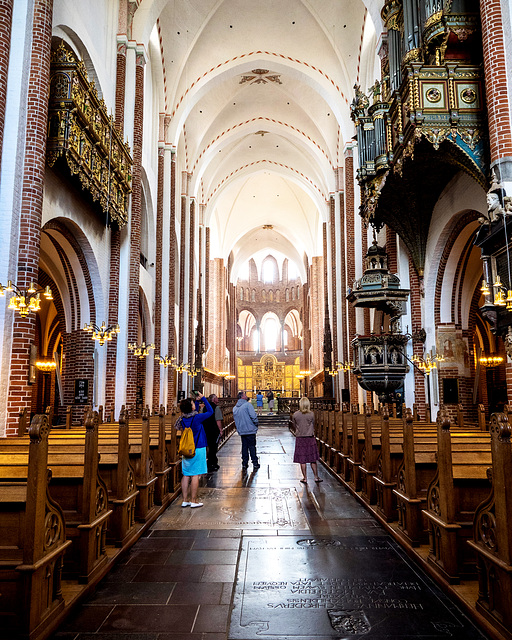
point(468, 96)
point(268, 226)
point(260, 76)
point(433, 95)
point(261, 133)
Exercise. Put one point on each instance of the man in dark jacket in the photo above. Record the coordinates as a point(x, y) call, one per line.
point(213, 429)
point(246, 423)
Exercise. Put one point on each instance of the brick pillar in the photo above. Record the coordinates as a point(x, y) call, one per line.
point(347, 356)
point(135, 222)
point(206, 287)
point(115, 240)
point(391, 250)
point(171, 374)
point(158, 274)
point(183, 246)
point(191, 287)
point(20, 392)
point(351, 256)
point(417, 347)
point(5, 41)
point(334, 279)
point(496, 89)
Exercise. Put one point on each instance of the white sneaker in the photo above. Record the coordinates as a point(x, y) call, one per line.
point(194, 505)
point(186, 504)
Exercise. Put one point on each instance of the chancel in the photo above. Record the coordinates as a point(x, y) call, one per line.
point(298, 200)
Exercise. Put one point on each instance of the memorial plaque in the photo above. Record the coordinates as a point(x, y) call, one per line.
point(81, 391)
point(324, 588)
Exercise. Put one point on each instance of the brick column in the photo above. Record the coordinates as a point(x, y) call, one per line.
point(20, 392)
point(334, 277)
point(5, 41)
point(135, 222)
point(351, 257)
point(77, 362)
point(206, 288)
point(391, 250)
point(183, 246)
point(347, 356)
point(115, 239)
point(191, 287)
point(496, 86)
point(158, 273)
point(417, 347)
point(171, 374)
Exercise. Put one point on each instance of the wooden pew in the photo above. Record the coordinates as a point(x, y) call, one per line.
point(492, 537)
point(32, 540)
point(459, 486)
point(370, 453)
point(82, 494)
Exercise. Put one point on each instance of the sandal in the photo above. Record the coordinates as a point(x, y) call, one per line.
point(318, 480)
point(304, 481)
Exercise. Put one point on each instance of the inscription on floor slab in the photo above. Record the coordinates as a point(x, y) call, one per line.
point(258, 508)
point(324, 588)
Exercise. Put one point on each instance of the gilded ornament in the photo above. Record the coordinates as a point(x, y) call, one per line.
point(433, 95)
point(468, 95)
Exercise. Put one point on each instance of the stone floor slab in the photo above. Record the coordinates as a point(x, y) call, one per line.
point(327, 588)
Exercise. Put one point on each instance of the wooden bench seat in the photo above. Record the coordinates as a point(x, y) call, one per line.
point(32, 540)
point(80, 491)
point(460, 484)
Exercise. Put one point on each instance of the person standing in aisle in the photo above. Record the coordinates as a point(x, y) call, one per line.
point(259, 403)
point(213, 429)
point(270, 399)
point(246, 423)
point(306, 449)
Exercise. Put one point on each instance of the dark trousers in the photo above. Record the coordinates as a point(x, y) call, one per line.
point(249, 447)
point(213, 446)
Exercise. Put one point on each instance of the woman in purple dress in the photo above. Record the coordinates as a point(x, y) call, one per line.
point(306, 449)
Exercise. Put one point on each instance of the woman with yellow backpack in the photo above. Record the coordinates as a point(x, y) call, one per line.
point(192, 447)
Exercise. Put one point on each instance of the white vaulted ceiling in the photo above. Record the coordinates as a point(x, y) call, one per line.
point(259, 93)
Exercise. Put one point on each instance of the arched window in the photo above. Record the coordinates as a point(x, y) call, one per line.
point(271, 296)
point(263, 295)
point(292, 271)
point(270, 334)
point(241, 293)
point(243, 274)
point(253, 295)
point(278, 296)
point(293, 293)
point(298, 289)
point(287, 295)
point(247, 295)
point(269, 274)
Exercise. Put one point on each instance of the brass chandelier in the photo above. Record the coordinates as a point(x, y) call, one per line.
point(25, 300)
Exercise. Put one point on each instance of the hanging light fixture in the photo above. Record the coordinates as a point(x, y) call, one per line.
point(490, 361)
point(140, 350)
point(102, 334)
point(46, 366)
point(166, 361)
point(25, 300)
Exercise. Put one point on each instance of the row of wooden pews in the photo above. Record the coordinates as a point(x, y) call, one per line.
point(443, 490)
point(71, 502)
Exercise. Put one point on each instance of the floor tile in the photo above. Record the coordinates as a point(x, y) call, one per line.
point(87, 618)
point(219, 573)
point(169, 573)
point(197, 593)
point(212, 618)
point(133, 593)
point(151, 618)
point(203, 556)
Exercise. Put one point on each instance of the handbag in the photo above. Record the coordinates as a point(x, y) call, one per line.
point(187, 447)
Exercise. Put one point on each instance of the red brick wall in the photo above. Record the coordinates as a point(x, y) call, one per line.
point(5, 41)
point(495, 68)
point(20, 392)
point(77, 362)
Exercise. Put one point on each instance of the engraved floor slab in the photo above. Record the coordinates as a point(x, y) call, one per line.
point(325, 588)
point(236, 508)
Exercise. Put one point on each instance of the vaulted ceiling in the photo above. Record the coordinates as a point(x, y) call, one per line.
point(258, 93)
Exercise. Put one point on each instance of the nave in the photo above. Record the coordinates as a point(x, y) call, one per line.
point(267, 557)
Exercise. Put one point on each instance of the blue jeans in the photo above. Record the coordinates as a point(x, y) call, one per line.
point(249, 447)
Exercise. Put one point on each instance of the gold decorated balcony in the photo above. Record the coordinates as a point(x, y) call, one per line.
point(81, 132)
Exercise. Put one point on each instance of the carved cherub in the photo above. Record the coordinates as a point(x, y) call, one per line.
point(375, 92)
point(495, 200)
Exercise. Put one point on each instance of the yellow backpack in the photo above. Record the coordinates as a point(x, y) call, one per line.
point(187, 445)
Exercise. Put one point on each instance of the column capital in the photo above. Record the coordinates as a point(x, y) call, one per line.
point(122, 44)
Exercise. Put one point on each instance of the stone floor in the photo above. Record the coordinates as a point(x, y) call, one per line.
point(267, 557)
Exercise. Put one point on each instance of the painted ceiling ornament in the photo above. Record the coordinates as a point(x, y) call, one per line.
point(260, 76)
